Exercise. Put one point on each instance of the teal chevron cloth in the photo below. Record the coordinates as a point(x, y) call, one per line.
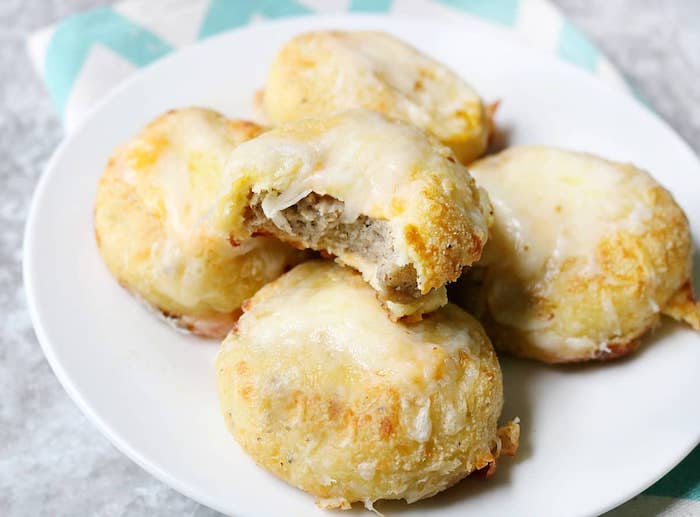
point(82, 57)
point(74, 37)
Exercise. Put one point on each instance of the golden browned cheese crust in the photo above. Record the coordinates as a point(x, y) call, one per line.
point(150, 222)
point(333, 71)
point(584, 256)
point(378, 168)
point(323, 390)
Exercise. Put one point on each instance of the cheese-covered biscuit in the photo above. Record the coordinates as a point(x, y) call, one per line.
point(583, 257)
point(380, 195)
point(333, 71)
point(151, 222)
point(326, 392)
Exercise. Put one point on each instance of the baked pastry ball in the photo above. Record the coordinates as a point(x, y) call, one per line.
point(583, 257)
point(333, 71)
point(321, 388)
point(151, 211)
point(380, 195)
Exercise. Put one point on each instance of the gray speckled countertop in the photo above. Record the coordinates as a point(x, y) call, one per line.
point(52, 460)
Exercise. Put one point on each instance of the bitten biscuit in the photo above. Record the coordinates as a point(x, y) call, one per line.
point(380, 195)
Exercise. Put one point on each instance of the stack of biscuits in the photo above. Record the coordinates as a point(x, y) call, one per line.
point(358, 256)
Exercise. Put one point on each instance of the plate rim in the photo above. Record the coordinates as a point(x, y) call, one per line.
point(29, 259)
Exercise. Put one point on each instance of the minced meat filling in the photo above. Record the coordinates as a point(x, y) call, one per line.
point(315, 222)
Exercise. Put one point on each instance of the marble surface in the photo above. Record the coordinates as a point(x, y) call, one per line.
point(52, 460)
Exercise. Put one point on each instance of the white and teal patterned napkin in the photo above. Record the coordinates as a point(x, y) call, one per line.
point(84, 56)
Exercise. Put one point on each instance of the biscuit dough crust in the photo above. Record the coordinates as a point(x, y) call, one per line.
point(584, 256)
point(333, 71)
point(151, 210)
point(323, 390)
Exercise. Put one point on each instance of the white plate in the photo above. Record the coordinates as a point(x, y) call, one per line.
point(592, 436)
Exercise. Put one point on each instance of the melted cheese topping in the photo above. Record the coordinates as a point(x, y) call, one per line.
point(320, 307)
point(551, 205)
point(423, 305)
point(182, 171)
point(360, 158)
point(422, 88)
